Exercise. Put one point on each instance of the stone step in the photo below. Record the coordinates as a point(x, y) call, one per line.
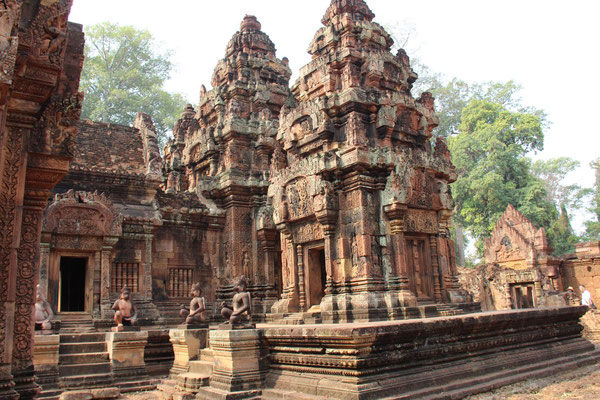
point(78, 369)
point(50, 394)
point(192, 382)
point(143, 385)
point(479, 383)
point(207, 355)
point(139, 388)
point(86, 381)
point(82, 338)
point(82, 348)
point(279, 394)
point(201, 367)
point(85, 358)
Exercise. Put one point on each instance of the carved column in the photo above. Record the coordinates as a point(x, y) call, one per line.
point(43, 173)
point(437, 287)
point(148, 264)
point(447, 260)
point(399, 280)
point(12, 180)
point(326, 211)
point(105, 306)
point(267, 239)
point(301, 282)
point(44, 265)
point(98, 285)
point(27, 260)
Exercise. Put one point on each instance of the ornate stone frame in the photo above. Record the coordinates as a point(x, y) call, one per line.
point(80, 224)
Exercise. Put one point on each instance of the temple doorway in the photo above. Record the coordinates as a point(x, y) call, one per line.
point(316, 276)
point(522, 295)
point(72, 284)
point(420, 268)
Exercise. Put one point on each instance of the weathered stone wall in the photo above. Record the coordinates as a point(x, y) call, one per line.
point(583, 269)
point(109, 147)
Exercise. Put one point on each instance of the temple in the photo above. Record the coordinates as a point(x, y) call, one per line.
point(329, 198)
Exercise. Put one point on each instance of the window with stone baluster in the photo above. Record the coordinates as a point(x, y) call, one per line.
point(125, 274)
point(180, 281)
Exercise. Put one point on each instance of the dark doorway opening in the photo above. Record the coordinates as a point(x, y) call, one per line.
point(317, 276)
point(72, 284)
point(522, 295)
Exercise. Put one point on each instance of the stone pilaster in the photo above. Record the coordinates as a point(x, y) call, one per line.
point(238, 366)
point(45, 359)
point(12, 180)
point(126, 353)
point(399, 281)
point(105, 304)
point(187, 344)
point(43, 172)
point(301, 282)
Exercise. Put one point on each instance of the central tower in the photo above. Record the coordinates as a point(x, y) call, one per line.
point(361, 199)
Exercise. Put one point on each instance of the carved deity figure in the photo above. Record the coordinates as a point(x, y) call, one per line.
point(241, 307)
point(43, 311)
point(125, 313)
point(196, 313)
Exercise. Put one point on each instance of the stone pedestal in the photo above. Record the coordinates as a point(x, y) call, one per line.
point(7, 391)
point(45, 359)
point(187, 344)
point(126, 352)
point(238, 369)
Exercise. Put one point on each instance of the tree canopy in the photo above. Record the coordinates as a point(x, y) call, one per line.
point(489, 154)
point(592, 226)
point(123, 74)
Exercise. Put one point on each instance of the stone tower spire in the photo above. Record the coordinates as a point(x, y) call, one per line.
point(357, 9)
point(225, 150)
point(361, 181)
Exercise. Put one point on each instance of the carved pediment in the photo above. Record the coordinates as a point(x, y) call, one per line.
point(82, 213)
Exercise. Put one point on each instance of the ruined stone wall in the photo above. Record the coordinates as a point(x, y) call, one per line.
point(583, 269)
point(109, 147)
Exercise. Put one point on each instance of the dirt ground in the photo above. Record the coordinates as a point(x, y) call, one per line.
point(580, 384)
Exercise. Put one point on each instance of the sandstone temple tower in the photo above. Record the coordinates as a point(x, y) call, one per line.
point(361, 199)
point(224, 152)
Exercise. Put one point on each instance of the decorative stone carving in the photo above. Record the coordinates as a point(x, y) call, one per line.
point(43, 311)
point(82, 214)
point(355, 140)
point(196, 313)
point(241, 306)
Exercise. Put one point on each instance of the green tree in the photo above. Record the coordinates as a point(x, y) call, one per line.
point(560, 234)
point(592, 227)
point(123, 74)
point(553, 172)
point(489, 154)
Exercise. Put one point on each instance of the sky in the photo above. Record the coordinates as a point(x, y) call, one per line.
point(549, 47)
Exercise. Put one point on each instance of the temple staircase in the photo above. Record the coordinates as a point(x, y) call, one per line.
point(184, 386)
point(83, 361)
point(75, 322)
point(447, 310)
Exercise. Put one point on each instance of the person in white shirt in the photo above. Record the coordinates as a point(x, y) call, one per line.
point(586, 297)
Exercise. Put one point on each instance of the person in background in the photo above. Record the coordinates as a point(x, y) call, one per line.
point(586, 297)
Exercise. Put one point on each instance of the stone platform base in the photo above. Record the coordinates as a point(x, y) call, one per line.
point(437, 358)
